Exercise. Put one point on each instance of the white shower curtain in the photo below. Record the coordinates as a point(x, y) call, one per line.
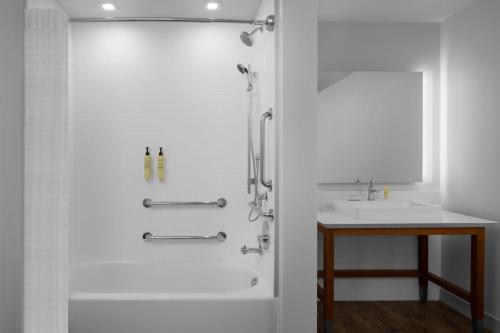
point(47, 162)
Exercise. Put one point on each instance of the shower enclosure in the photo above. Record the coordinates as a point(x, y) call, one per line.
point(168, 256)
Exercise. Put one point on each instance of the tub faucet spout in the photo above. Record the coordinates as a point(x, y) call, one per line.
point(246, 250)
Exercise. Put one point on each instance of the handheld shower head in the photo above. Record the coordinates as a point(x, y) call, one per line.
point(248, 72)
point(242, 69)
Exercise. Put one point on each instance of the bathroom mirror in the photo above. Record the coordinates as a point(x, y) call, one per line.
point(370, 125)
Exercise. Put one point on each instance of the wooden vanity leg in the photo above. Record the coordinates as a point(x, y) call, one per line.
point(328, 279)
point(477, 280)
point(423, 266)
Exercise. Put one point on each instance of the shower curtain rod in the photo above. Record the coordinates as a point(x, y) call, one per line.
point(164, 19)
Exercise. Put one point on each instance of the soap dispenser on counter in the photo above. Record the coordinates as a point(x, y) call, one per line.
point(387, 191)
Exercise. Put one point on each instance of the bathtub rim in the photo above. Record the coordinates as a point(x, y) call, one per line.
point(260, 291)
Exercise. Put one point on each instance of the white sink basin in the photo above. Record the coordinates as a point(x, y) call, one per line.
point(388, 210)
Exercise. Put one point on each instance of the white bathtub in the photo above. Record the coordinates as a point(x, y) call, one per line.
point(170, 298)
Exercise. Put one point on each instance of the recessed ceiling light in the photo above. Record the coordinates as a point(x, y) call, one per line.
point(108, 6)
point(212, 5)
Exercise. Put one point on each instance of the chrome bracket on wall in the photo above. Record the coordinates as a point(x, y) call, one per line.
point(255, 208)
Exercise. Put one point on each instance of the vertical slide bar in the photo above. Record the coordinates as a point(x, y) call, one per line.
point(249, 141)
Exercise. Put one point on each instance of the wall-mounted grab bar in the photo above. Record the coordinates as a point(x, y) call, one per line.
point(259, 211)
point(148, 237)
point(148, 203)
point(263, 181)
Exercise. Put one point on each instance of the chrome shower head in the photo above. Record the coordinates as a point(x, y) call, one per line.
point(247, 37)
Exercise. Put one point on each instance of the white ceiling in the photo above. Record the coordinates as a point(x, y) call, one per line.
point(389, 10)
point(329, 10)
point(234, 9)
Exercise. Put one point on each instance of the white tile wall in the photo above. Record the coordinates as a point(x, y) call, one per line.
point(160, 84)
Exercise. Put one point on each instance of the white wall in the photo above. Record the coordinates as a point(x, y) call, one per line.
point(159, 84)
point(296, 116)
point(470, 40)
point(345, 46)
point(11, 162)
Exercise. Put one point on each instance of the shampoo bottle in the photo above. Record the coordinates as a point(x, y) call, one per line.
point(161, 165)
point(148, 170)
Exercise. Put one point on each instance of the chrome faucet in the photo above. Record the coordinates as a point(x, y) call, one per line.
point(371, 190)
point(247, 250)
point(263, 240)
point(263, 244)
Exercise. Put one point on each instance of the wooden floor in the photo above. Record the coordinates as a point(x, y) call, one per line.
point(393, 317)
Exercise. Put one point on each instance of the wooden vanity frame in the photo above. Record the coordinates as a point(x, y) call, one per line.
point(475, 296)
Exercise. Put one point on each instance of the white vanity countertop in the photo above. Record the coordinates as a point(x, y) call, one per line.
point(333, 219)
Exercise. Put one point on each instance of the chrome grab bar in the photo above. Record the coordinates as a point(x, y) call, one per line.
point(264, 182)
point(148, 237)
point(259, 211)
point(148, 203)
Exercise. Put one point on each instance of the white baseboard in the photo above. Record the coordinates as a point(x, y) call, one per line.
point(490, 321)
